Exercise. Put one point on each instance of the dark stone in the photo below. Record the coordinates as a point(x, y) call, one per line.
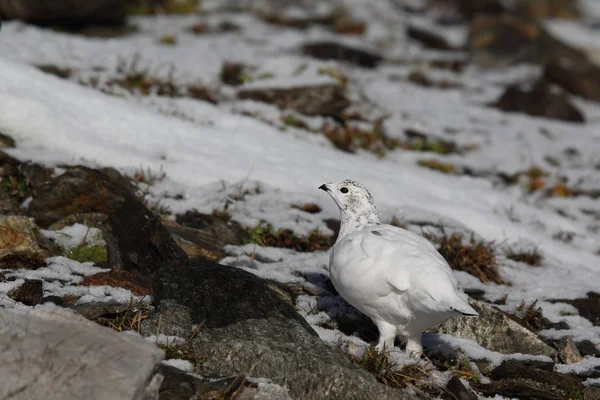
point(542, 100)
point(30, 293)
point(218, 295)
point(18, 179)
point(327, 99)
point(576, 74)
point(341, 52)
point(428, 38)
point(502, 40)
point(587, 348)
point(545, 9)
point(458, 391)
point(247, 327)
point(213, 231)
point(524, 380)
point(170, 319)
point(136, 239)
point(525, 390)
point(67, 13)
point(588, 308)
point(231, 73)
point(177, 384)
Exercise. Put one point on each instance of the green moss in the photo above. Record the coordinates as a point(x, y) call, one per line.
point(436, 165)
point(87, 253)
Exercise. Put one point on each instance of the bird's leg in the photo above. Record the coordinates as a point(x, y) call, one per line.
point(387, 334)
point(413, 345)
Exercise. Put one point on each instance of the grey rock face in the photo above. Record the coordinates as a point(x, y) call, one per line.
point(495, 331)
point(53, 353)
point(249, 330)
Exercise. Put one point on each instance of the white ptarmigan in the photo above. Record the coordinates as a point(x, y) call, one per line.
point(396, 277)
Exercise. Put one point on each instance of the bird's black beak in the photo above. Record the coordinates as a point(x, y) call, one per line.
point(324, 187)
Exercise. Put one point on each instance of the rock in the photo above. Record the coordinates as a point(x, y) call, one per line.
point(502, 40)
point(546, 9)
point(203, 235)
point(6, 142)
point(588, 307)
point(196, 283)
point(496, 331)
point(428, 38)
point(338, 51)
point(458, 391)
point(568, 352)
point(19, 247)
point(67, 357)
point(93, 311)
point(327, 99)
point(457, 11)
point(18, 179)
point(177, 384)
point(585, 347)
point(518, 379)
point(70, 13)
point(232, 73)
point(30, 293)
point(135, 237)
point(576, 74)
point(247, 327)
point(591, 393)
point(170, 319)
point(542, 100)
point(139, 284)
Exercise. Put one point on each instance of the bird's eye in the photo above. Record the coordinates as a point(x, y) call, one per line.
point(344, 190)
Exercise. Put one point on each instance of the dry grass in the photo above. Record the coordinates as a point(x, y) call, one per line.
point(436, 165)
point(127, 320)
point(266, 235)
point(387, 372)
point(310, 208)
point(477, 257)
point(532, 257)
point(531, 315)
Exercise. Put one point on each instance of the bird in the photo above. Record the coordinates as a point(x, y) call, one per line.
point(395, 277)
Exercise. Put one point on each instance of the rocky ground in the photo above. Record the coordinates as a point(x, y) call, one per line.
point(161, 183)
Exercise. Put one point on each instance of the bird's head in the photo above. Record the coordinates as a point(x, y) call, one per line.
point(352, 198)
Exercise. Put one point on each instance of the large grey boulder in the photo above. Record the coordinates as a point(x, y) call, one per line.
point(496, 331)
point(247, 329)
point(54, 354)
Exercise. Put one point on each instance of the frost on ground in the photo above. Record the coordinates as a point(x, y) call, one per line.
point(253, 161)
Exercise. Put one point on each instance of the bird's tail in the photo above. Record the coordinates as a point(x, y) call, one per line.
point(462, 306)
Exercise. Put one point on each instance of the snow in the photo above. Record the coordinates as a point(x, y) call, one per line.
point(183, 365)
point(216, 158)
point(75, 235)
point(473, 350)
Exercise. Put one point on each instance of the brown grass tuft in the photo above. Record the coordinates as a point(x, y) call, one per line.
point(532, 257)
point(386, 372)
point(478, 258)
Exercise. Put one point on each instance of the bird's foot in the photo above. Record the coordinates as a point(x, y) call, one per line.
point(414, 349)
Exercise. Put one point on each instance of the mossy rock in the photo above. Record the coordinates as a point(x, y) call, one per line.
point(85, 253)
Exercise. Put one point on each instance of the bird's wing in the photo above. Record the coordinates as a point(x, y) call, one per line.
point(409, 261)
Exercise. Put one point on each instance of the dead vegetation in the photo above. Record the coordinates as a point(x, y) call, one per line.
point(133, 78)
point(129, 319)
point(387, 372)
point(266, 235)
point(476, 257)
point(532, 257)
